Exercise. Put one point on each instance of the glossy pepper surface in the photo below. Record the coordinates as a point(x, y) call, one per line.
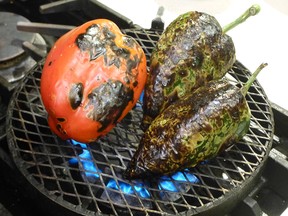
point(92, 77)
point(195, 128)
point(192, 50)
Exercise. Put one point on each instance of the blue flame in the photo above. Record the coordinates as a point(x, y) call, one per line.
point(128, 189)
point(168, 184)
point(86, 159)
point(185, 176)
point(141, 97)
point(174, 183)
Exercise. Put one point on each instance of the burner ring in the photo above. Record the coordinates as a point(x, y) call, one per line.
point(14, 61)
point(43, 159)
point(11, 38)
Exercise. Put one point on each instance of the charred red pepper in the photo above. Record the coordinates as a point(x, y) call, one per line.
point(92, 77)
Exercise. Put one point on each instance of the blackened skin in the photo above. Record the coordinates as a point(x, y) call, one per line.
point(108, 101)
point(191, 51)
point(191, 130)
point(76, 95)
point(97, 41)
point(111, 98)
point(61, 119)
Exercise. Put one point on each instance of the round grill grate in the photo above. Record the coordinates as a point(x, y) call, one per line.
point(59, 170)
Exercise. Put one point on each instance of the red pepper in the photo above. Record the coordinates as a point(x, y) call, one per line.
point(92, 77)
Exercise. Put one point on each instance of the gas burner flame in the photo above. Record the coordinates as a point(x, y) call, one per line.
point(139, 188)
point(170, 186)
point(86, 159)
point(172, 183)
point(122, 193)
point(178, 182)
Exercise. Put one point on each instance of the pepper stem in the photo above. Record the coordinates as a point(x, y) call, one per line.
point(252, 11)
point(247, 85)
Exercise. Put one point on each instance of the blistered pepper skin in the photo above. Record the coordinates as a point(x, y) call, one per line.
point(92, 77)
point(191, 51)
point(191, 130)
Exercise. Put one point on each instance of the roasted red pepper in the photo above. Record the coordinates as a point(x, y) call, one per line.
point(92, 77)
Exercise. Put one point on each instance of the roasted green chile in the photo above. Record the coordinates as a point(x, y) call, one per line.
point(193, 129)
point(192, 50)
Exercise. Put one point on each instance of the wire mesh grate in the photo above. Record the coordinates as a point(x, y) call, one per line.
point(59, 169)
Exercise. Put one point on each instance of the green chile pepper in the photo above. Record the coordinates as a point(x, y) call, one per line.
point(193, 129)
point(192, 50)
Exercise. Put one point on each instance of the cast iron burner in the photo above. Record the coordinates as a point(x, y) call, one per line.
point(86, 179)
point(14, 61)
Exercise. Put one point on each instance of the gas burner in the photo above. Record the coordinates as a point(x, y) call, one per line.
point(88, 177)
point(14, 62)
point(48, 176)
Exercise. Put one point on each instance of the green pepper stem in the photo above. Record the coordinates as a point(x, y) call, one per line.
point(252, 11)
point(247, 85)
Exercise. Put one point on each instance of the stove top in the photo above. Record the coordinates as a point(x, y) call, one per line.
point(38, 27)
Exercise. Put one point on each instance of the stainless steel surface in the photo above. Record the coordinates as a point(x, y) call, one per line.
point(44, 28)
point(14, 61)
point(11, 39)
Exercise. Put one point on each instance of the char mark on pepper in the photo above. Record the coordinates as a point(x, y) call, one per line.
point(76, 95)
point(108, 102)
point(101, 42)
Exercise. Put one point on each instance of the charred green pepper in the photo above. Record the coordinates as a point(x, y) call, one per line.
point(192, 50)
point(195, 128)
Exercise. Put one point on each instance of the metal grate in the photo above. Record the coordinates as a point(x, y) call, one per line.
point(45, 160)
